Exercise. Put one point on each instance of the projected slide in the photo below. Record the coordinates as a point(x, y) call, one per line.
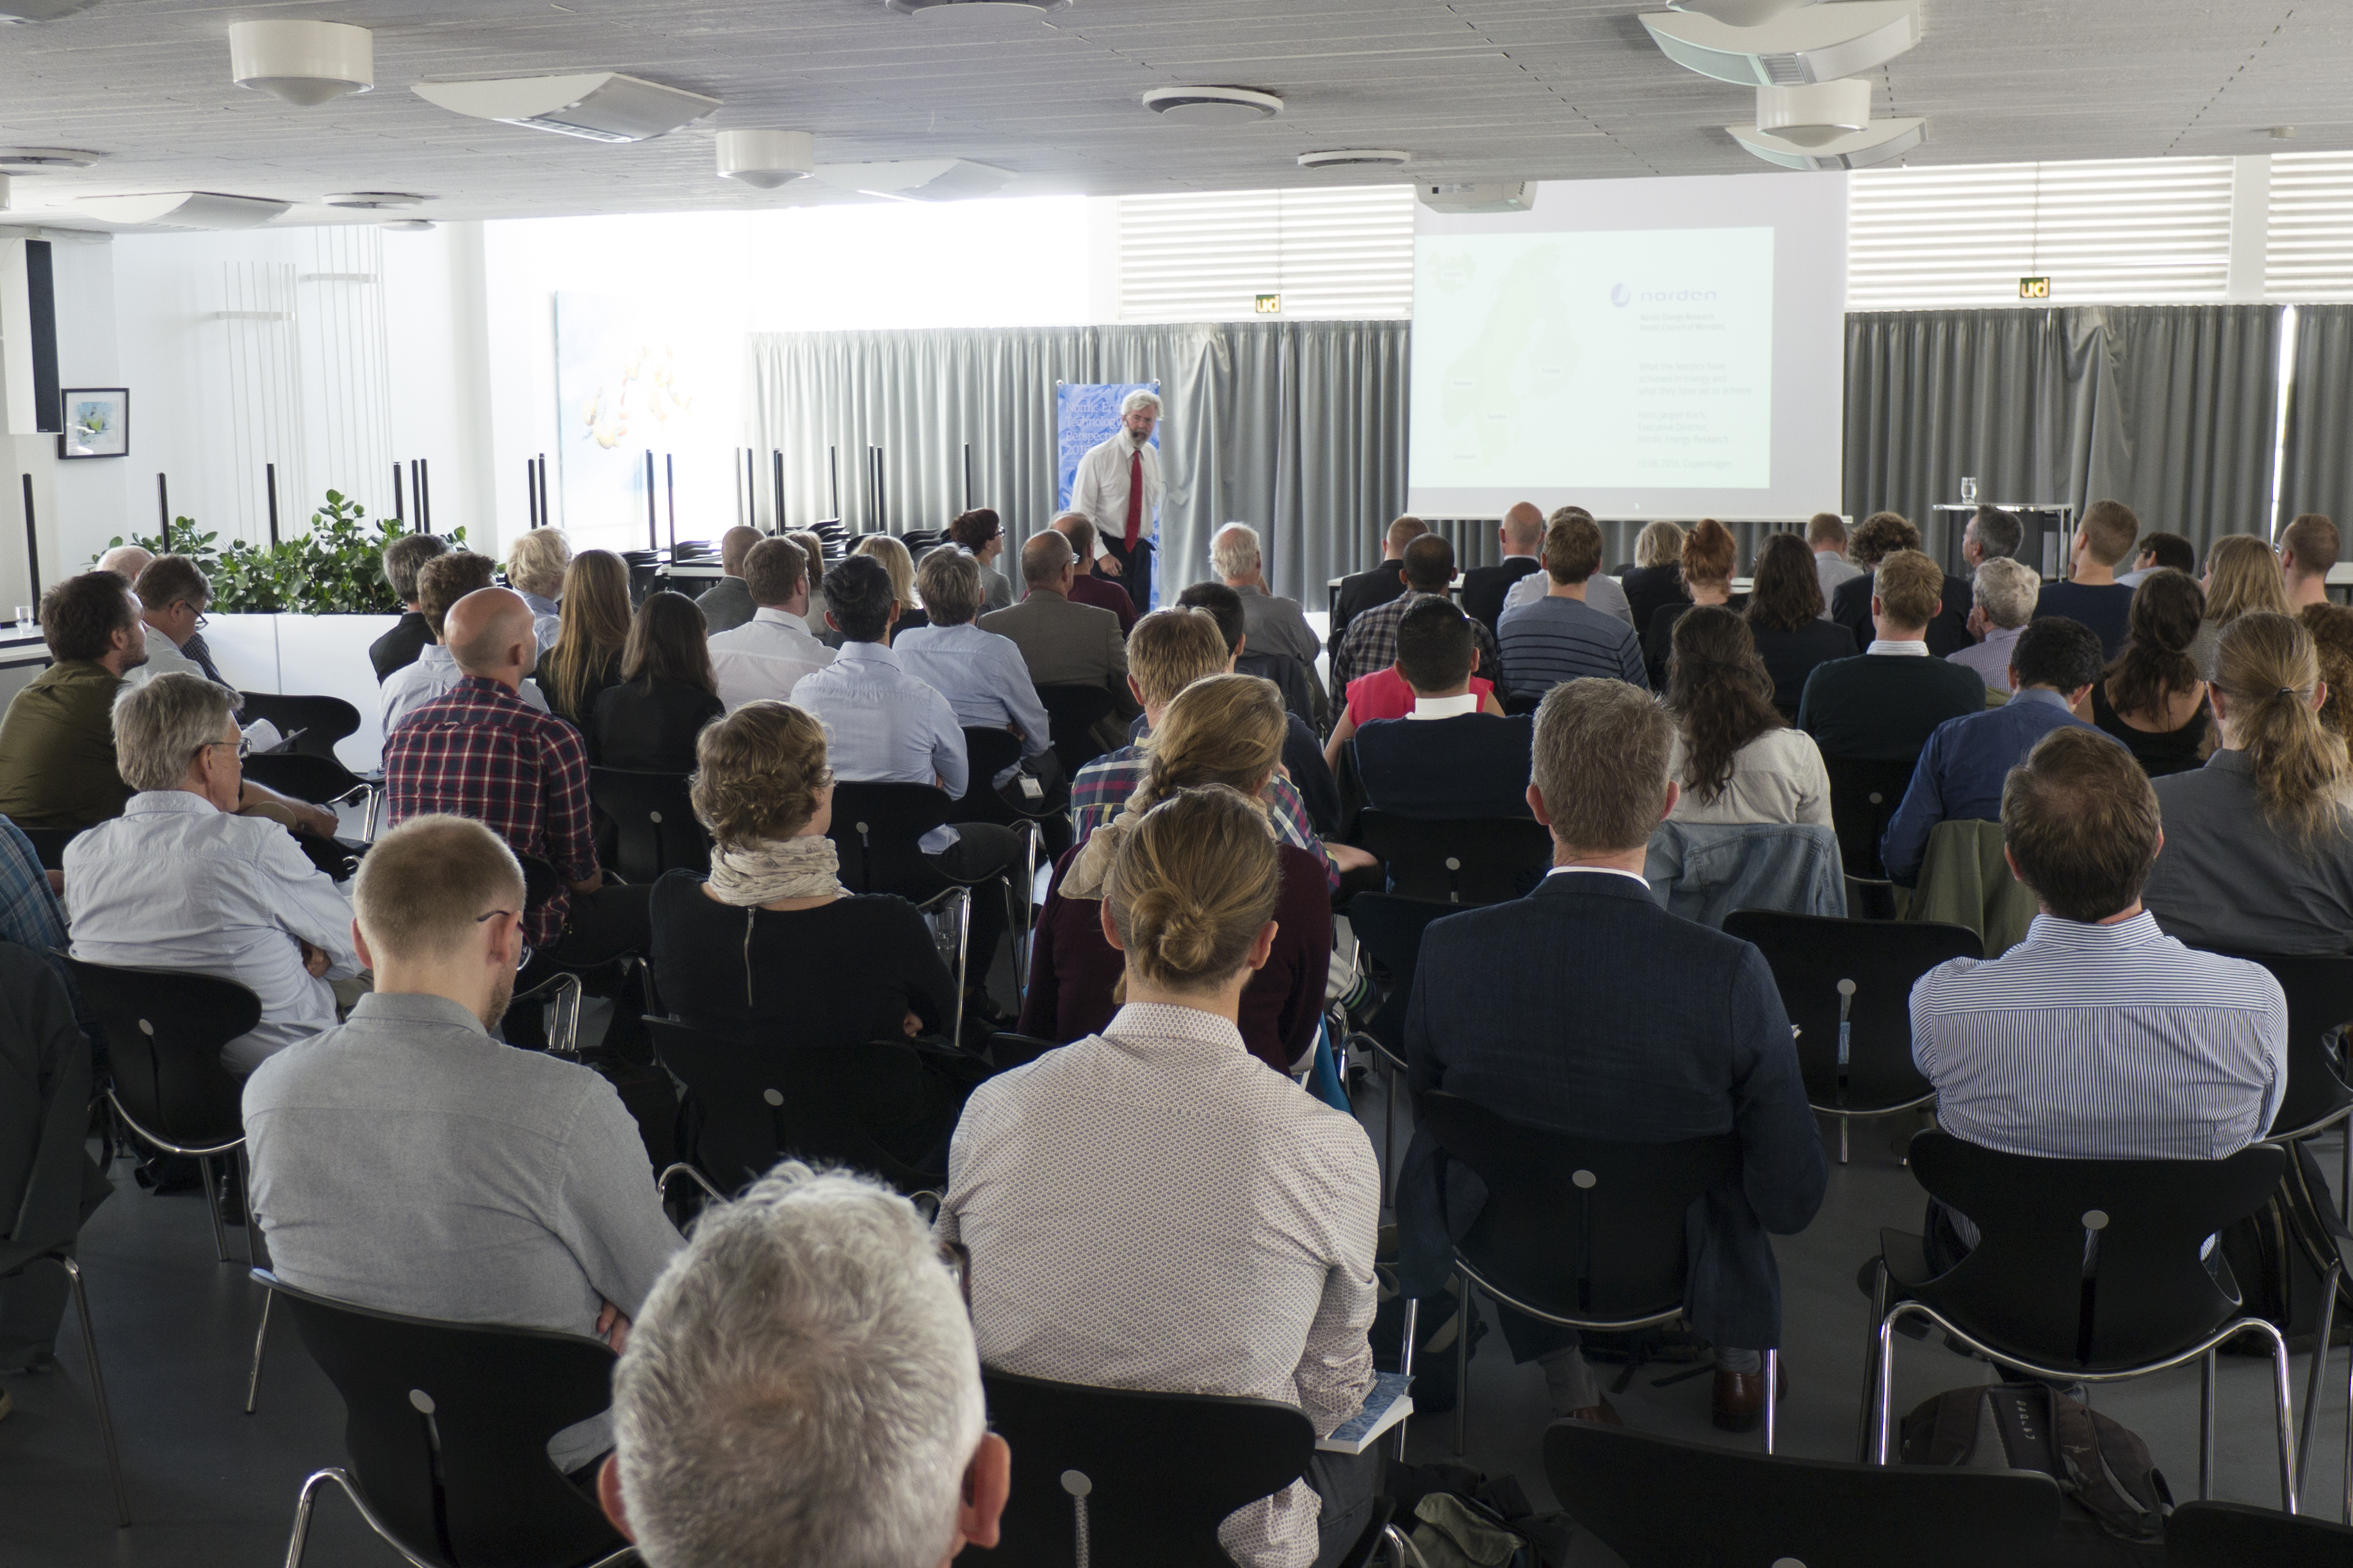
point(1612, 359)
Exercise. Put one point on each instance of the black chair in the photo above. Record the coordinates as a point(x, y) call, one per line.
point(555, 990)
point(2320, 1002)
point(446, 1427)
point(1586, 1233)
point(164, 1030)
point(1864, 794)
point(659, 831)
point(759, 1104)
point(1140, 1479)
point(1472, 860)
point(989, 752)
point(47, 1219)
point(1643, 1496)
point(2233, 1535)
point(315, 723)
point(1074, 711)
point(318, 781)
point(1847, 987)
point(877, 828)
point(2085, 1271)
point(50, 844)
point(1388, 930)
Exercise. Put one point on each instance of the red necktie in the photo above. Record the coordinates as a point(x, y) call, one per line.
point(1134, 497)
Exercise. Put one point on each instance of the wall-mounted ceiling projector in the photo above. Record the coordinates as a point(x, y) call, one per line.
point(1212, 105)
point(1819, 112)
point(1875, 143)
point(1812, 43)
point(1739, 13)
point(603, 106)
point(303, 62)
point(917, 179)
point(185, 209)
point(1478, 196)
point(767, 159)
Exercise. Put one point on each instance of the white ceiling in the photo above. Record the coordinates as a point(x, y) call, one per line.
point(1476, 88)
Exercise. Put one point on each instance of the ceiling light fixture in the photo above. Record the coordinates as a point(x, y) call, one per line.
point(1212, 105)
point(1813, 114)
point(42, 159)
point(372, 201)
point(409, 226)
point(303, 62)
point(767, 159)
point(974, 10)
point(602, 105)
point(1878, 142)
point(1739, 13)
point(1815, 44)
point(1356, 157)
point(917, 179)
point(41, 10)
point(185, 209)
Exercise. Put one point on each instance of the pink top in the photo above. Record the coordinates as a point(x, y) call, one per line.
point(1384, 695)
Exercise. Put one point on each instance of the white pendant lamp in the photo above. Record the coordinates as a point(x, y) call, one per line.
point(303, 62)
point(767, 159)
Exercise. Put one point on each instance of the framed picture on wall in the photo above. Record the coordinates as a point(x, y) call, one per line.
point(98, 422)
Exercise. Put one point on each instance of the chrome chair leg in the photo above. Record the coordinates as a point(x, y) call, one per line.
point(1772, 1389)
point(2285, 1410)
point(963, 959)
point(2319, 1360)
point(212, 1204)
point(306, 1500)
point(1884, 1388)
point(2206, 1427)
point(256, 1249)
point(98, 1390)
point(1871, 1366)
point(1405, 1365)
point(260, 1344)
point(1842, 1133)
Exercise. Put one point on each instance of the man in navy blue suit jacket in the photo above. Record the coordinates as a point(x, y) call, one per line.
point(1588, 1009)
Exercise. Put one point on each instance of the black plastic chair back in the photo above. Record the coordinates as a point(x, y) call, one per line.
point(447, 1427)
point(164, 1030)
point(1661, 1503)
point(1847, 986)
point(1581, 1227)
point(1389, 930)
point(1074, 711)
point(877, 826)
point(989, 752)
point(1470, 860)
point(2233, 1535)
point(2027, 1289)
point(2319, 1001)
point(1864, 794)
point(319, 720)
point(658, 830)
point(768, 1101)
point(1159, 1471)
point(50, 844)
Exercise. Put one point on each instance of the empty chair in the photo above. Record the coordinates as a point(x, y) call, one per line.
point(2320, 1002)
point(877, 830)
point(1468, 861)
point(1847, 987)
point(1965, 880)
point(446, 1428)
point(1074, 711)
point(2232, 1535)
point(1864, 794)
point(307, 769)
point(313, 724)
point(1661, 1503)
point(658, 828)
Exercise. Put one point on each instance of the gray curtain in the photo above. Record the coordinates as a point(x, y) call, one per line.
point(1295, 428)
point(2316, 471)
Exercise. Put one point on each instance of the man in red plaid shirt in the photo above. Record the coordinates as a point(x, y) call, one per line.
point(480, 751)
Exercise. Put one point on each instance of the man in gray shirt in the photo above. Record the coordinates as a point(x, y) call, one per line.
point(409, 1162)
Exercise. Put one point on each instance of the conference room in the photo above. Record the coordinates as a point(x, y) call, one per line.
point(879, 782)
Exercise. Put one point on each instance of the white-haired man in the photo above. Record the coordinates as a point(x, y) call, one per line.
point(2004, 591)
point(802, 1389)
point(1272, 624)
point(1117, 487)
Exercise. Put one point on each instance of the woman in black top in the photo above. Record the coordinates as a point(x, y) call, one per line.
point(649, 722)
point(1785, 618)
point(2151, 697)
point(1709, 557)
point(1657, 575)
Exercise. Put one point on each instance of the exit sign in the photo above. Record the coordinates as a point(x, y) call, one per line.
point(1270, 304)
point(2034, 288)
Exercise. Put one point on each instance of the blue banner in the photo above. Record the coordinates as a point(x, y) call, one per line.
point(1086, 414)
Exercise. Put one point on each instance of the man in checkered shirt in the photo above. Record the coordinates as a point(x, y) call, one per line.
point(1371, 641)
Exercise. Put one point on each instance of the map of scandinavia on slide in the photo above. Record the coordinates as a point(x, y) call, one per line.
point(1606, 359)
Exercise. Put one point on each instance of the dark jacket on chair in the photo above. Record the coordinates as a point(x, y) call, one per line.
point(399, 648)
point(1360, 592)
point(1586, 1008)
point(1483, 587)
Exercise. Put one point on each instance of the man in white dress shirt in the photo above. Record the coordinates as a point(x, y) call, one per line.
point(1118, 486)
point(440, 583)
point(180, 881)
point(768, 655)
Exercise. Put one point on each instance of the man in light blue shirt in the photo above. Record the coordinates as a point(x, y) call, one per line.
point(981, 674)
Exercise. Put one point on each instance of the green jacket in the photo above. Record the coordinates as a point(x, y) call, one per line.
point(1965, 881)
point(57, 749)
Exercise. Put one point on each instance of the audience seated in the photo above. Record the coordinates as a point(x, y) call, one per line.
point(2161, 549)
point(728, 603)
point(2307, 549)
point(536, 563)
point(407, 1162)
point(771, 950)
point(1735, 759)
point(2003, 594)
point(1826, 542)
point(2092, 594)
point(768, 655)
point(1089, 586)
point(1065, 643)
point(1151, 1208)
point(1991, 534)
point(125, 561)
point(2331, 626)
point(43, 1057)
point(2151, 697)
point(180, 881)
point(801, 1387)
point(901, 564)
point(1302, 696)
point(2099, 1036)
point(979, 534)
point(1272, 624)
point(594, 631)
point(2259, 842)
point(1587, 1009)
point(667, 692)
point(481, 751)
point(1710, 557)
point(980, 673)
point(1787, 620)
point(1561, 637)
point(1882, 534)
point(1451, 754)
point(813, 563)
point(1522, 537)
point(2242, 576)
point(1601, 591)
point(1960, 777)
point(1883, 703)
point(1379, 585)
point(1371, 642)
point(884, 726)
point(402, 559)
point(1656, 578)
point(57, 742)
point(440, 583)
point(173, 592)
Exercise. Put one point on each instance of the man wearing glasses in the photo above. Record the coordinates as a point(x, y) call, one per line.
point(173, 595)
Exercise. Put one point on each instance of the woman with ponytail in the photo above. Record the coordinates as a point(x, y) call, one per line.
point(2258, 849)
point(2152, 698)
point(1227, 730)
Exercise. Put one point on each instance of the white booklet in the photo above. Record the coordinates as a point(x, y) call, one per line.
point(1386, 1402)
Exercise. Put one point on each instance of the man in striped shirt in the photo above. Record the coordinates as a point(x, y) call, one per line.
point(1561, 637)
point(2098, 1037)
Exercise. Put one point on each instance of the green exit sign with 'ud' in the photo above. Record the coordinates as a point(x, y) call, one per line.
point(2034, 288)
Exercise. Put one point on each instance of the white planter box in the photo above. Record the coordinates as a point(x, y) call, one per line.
point(308, 656)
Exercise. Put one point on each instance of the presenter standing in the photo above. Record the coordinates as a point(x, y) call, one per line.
point(1118, 485)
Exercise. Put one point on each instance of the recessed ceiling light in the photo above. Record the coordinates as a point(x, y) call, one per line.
point(974, 10)
point(1349, 157)
point(1212, 105)
point(40, 160)
point(185, 209)
point(602, 105)
point(303, 62)
point(767, 159)
point(373, 200)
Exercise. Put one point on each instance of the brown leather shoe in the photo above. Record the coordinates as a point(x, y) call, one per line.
point(1605, 1412)
point(1739, 1401)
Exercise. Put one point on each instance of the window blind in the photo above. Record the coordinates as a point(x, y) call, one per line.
point(1342, 254)
point(2309, 248)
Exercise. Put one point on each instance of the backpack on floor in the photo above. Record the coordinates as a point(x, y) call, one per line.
point(2112, 1495)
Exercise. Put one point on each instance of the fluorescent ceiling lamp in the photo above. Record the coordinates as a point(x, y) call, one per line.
point(917, 179)
point(603, 106)
point(183, 209)
point(303, 62)
point(767, 159)
point(1814, 44)
point(1814, 114)
point(1879, 142)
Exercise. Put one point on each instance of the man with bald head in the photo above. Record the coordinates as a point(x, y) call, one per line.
point(1601, 590)
point(440, 583)
point(729, 604)
point(1483, 587)
point(126, 562)
point(480, 750)
point(1065, 643)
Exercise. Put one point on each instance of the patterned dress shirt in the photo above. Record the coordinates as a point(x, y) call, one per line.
point(1103, 785)
point(1150, 1208)
point(1371, 642)
point(481, 751)
point(29, 915)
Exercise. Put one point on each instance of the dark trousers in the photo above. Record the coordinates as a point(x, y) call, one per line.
point(599, 927)
point(983, 852)
point(1345, 1486)
point(1134, 569)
